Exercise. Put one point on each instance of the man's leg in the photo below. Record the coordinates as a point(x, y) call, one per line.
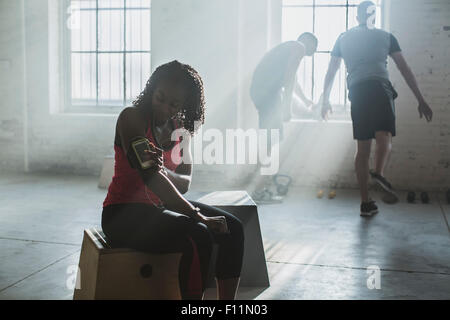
point(270, 117)
point(382, 150)
point(362, 167)
point(265, 123)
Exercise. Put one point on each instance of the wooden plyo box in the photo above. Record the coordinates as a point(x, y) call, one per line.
point(240, 204)
point(106, 273)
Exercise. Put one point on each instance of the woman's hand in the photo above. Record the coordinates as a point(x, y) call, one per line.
point(217, 224)
point(156, 155)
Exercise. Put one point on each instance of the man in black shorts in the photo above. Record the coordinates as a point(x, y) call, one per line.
point(365, 50)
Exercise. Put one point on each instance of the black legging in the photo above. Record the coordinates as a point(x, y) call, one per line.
point(150, 229)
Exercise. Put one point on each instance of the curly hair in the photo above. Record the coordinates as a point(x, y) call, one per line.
point(192, 113)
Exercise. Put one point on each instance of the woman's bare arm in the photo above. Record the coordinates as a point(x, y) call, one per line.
point(182, 176)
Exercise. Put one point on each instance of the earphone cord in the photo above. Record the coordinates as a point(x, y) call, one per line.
point(148, 197)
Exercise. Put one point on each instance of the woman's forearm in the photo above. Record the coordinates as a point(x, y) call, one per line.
point(181, 181)
point(169, 195)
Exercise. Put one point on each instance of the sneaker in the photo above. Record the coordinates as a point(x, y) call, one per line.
point(368, 209)
point(385, 185)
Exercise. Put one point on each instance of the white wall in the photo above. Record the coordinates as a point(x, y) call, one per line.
point(422, 150)
point(65, 143)
point(204, 34)
point(11, 84)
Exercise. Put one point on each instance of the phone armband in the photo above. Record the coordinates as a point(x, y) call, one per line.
point(139, 154)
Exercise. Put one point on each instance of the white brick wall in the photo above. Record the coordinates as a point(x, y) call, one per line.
point(421, 156)
point(11, 84)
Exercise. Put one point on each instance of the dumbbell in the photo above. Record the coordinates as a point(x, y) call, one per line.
point(411, 197)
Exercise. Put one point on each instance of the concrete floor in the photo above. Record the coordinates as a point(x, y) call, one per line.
point(315, 248)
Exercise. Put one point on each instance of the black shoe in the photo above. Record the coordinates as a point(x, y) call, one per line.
point(384, 184)
point(368, 209)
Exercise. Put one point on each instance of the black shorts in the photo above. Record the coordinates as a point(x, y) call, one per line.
point(372, 108)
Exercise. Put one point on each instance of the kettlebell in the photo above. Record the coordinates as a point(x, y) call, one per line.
point(282, 182)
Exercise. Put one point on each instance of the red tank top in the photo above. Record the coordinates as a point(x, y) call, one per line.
point(127, 185)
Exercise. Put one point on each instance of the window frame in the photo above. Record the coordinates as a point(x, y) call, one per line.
point(347, 5)
point(66, 62)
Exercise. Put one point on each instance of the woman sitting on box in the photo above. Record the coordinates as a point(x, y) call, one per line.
point(144, 208)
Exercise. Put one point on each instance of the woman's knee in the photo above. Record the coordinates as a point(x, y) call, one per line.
point(201, 235)
point(236, 229)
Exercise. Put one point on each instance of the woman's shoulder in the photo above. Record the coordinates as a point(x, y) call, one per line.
point(131, 120)
point(133, 114)
point(129, 111)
